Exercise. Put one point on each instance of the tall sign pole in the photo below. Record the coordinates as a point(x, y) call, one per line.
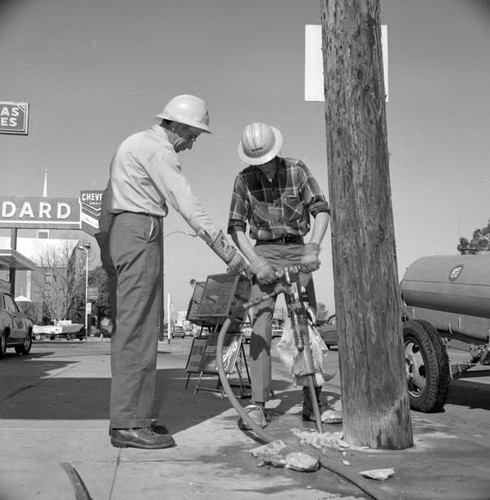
point(367, 302)
point(14, 119)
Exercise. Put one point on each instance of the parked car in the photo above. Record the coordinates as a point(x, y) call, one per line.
point(60, 330)
point(15, 327)
point(178, 331)
point(328, 330)
point(105, 332)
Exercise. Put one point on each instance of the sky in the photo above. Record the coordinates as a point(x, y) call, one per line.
point(96, 71)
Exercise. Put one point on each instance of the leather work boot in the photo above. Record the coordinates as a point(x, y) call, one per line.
point(158, 428)
point(257, 414)
point(328, 413)
point(141, 437)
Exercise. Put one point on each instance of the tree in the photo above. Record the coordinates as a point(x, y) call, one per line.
point(57, 277)
point(101, 307)
point(479, 243)
point(322, 312)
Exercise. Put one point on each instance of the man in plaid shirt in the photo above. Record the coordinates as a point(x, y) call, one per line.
point(276, 197)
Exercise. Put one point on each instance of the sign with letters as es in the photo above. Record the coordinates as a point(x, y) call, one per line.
point(14, 117)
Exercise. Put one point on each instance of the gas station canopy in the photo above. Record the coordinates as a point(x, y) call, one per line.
point(12, 259)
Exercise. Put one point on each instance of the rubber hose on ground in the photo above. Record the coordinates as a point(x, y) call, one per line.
point(326, 462)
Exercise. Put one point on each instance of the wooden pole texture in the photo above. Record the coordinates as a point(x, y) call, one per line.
point(371, 352)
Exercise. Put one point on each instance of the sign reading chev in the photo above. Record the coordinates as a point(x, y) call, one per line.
point(91, 204)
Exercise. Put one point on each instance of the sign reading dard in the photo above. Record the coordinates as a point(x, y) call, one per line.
point(39, 212)
point(14, 117)
point(36, 212)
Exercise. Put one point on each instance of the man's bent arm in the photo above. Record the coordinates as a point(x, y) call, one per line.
point(244, 245)
point(319, 228)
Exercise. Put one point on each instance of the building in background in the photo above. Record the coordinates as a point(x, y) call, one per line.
point(43, 291)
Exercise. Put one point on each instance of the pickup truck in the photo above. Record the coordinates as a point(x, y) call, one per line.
point(15, 328)
point(61, 329)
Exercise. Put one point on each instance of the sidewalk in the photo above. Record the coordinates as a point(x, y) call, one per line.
point(54, 409)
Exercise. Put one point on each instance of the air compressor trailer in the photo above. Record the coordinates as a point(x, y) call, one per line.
point(445, 303)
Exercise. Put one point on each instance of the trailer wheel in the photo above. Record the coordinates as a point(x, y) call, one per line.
point(427, 364)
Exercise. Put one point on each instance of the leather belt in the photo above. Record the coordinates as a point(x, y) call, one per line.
point(283, 240)
point(143, 214)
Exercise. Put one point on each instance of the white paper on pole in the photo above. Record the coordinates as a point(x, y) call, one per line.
point(314, 62)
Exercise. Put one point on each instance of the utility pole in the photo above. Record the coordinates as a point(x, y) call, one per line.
point(371, 351)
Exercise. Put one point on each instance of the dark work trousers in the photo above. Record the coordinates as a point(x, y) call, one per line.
point(134, 245)
point(260, 341)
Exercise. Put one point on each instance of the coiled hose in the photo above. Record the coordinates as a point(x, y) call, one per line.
point(327, 463)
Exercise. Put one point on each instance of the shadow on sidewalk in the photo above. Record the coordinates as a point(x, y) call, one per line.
point(41, 391)
point(468, 393)
point(179, 408)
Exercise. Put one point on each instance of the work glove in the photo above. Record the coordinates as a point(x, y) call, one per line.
point(228, 253)
point(309, 260)
point(237, 264)
point(263, 271)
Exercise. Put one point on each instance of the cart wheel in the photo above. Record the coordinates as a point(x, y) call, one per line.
point(427, 364)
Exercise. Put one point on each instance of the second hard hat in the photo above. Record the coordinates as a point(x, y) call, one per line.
point(259, 144)
point(187, 109)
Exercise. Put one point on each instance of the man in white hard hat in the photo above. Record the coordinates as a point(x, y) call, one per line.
point(276, 198)
point(145, 176)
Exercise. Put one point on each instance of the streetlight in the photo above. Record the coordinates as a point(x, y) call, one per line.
point(162, 320)
point(86, 248)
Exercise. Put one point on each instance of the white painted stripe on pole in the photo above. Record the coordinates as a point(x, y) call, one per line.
point(384, 49)
point(314, 62)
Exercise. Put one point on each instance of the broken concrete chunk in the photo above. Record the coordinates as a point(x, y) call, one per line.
point(301, 462)
point(269, 450)
point(378, 474)
point(273, 462)
point(325, 440)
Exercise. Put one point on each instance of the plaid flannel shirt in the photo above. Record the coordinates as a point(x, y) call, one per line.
point(278, 208)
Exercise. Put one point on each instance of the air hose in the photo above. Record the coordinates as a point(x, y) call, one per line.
point(326, 462)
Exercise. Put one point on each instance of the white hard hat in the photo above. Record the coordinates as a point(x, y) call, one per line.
point(187, 109)
point(259, 144)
